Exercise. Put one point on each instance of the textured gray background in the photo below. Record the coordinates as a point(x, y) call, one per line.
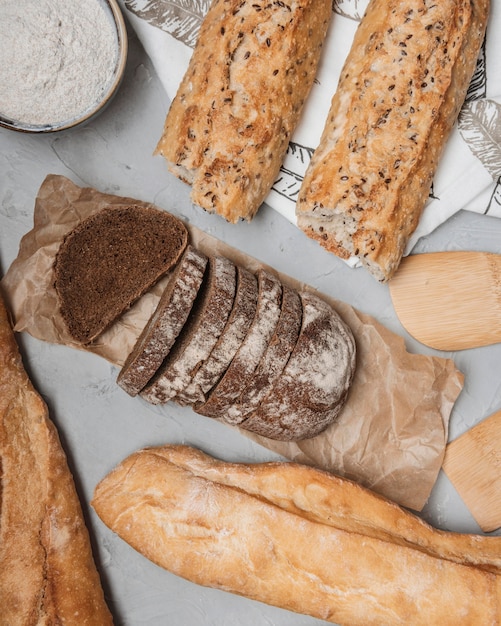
point(99, 424)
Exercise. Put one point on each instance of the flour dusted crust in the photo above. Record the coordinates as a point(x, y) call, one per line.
point(199, 335)
point(246, 360)
point(398, 96)
point(47, 572)
point(164, 326)
point(300, 539)
point(241, 316)
point(229, 126)
point(313, 387)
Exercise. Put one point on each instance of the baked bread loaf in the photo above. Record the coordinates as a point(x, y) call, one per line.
point(313, 387)
point(243, 348)
point(111, 259)
point(47, 571)
point(300, 539)
point(160, 333)
point(399, 94)
point(229, 126)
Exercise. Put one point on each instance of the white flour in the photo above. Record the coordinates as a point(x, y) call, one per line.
point(57, 58)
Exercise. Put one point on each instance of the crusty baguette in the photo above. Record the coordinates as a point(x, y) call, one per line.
point(229, 126)
point(398, 96)
point(299, 539)
point(47, 572)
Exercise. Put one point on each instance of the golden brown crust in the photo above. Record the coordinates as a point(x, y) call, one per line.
point(229, 125)
point(398, 97)
point(281, 534)
point(48, 575)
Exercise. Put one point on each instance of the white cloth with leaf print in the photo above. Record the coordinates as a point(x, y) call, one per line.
point(469, 173)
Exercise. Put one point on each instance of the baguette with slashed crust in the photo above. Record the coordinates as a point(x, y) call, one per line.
point(47, 572)
point(299, 538)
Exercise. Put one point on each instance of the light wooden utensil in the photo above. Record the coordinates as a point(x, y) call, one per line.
point(449, 300)
point(473, 464)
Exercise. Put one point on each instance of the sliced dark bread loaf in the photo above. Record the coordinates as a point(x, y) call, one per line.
point(312, 389)
point(274, 358)
point(164, 326)
point(242, 314)
point(247, 358)
point(199, 335)
point(111, 259)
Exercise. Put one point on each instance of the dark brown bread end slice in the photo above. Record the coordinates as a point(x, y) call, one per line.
point(199, 335)
point(314, 385)
point(165, 324)
point(111, 259)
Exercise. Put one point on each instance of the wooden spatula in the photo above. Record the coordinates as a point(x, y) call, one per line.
point(449, 300)
point(473, 464)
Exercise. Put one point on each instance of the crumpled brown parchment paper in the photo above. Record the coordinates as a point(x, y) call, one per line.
point(392, 433)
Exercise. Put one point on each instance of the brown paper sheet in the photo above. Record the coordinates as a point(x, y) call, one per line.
point(392, 433)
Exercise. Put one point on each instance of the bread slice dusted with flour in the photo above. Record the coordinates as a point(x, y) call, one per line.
point(111, 259)
point(399, 94)
point(274, 359)
point(229, 126)
point(235, 331)
point(166, 323)
point(199, 335)
point(246, 360)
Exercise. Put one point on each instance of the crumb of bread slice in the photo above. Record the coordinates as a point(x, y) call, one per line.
point(111, 259)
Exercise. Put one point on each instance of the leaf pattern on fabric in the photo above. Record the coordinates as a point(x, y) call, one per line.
point(480, 126)
point(352, 9)
point(289, 181)
point(494, 207)
point(478, 84)
point(179, 18)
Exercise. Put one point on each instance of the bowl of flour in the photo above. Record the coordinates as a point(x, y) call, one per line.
point(61, 62)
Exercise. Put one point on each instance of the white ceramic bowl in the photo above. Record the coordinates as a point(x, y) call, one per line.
point(113, 10)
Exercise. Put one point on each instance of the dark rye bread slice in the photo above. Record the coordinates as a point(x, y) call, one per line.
point(109, 261)
point(242, 314)
point(312, 389)
point(199, 335)
point(274, 359)
point(247, 358)
point(162, 329)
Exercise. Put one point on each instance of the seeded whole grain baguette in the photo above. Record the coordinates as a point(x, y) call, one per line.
point(47, 571)
point(398, 97)
point(229, 126)
point(300, 539)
